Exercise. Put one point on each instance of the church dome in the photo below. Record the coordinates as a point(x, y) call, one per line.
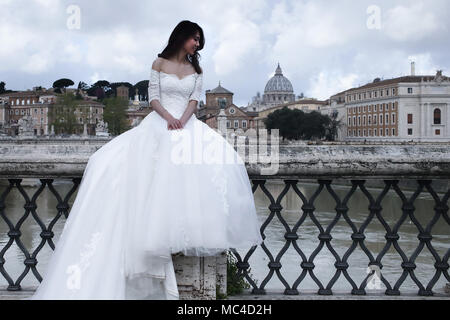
point(278, 83)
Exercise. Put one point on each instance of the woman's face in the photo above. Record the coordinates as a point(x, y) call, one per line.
point(192, 44)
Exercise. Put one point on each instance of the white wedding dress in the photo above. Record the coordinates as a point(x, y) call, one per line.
point(146, 194)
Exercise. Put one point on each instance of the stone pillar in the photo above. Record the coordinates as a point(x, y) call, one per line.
point(197, 277)
point(85, 133)
point(222, 121)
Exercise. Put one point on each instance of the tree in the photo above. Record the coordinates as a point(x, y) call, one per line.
point(62, 114)
point(142, 87)
point(61, 85)
point(115, 115)
point(334, 125)
point(101, 89)
point(296, 124)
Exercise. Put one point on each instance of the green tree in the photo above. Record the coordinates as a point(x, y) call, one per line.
point(62, 114)
point(335, 124)
point(61, 85)
point(115, 115)
point(296, 124)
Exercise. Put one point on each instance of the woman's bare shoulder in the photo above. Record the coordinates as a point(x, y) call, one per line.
point(157, 63)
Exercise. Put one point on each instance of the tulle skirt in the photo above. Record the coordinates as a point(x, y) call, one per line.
point(145, 195)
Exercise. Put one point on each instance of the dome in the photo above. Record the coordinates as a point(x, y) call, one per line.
point(278, 83)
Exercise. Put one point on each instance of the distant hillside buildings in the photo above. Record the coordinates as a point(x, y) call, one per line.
point(410, 108)
point(34, 106)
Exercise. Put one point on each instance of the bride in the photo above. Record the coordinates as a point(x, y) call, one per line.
point(170, 185)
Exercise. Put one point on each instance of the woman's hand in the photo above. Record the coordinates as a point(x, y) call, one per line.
point(173, 123)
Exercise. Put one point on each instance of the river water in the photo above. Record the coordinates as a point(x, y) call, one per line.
point(274, 232)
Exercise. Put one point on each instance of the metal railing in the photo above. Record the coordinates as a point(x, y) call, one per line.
point(356, 234)
point(323, 164)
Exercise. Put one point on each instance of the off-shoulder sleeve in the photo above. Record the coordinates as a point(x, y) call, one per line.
point(196, 93)
point(153, 86)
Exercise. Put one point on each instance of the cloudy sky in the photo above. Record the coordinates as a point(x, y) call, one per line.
point(323, 46)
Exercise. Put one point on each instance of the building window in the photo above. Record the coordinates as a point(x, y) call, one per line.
point(375, 132)
point(393, 118)
point(354, 120)
point(374, 119)
point(370, 132)
point(393, 131)
point(349, 121)
point(359, 120)
point(236, 123)
point(410, 90)
point(381, 107)
point(244, 123)
point(387, 131)
point(438, 132)
point(364, 132)
point(375, 108)
point(232, 110)
point(359, 133)
point(437, 116)
point(410, 118)
point(228, 123)
point(381, 119)
point(387, 119)
point(364, 120)
point(410, 131)
point(369, 120)
point(349, 133)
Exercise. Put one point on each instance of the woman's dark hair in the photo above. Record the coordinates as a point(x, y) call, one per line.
point(182, 32)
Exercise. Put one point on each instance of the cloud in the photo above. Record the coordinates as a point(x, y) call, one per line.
point(326, 84)
point(322, 46)
point(411, 23)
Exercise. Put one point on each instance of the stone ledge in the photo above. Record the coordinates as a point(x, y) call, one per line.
point(424, 161)
point(337, 295)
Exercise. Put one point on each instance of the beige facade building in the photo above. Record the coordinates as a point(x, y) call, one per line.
point(410, 108)
point(37, 105)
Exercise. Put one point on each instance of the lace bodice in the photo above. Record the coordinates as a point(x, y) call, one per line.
point(172, 92)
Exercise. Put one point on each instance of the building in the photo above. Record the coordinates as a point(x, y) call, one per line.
point(218, 98)
point(335, 108)
point(35, 106)
point(409, 108)
point(278, 91)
